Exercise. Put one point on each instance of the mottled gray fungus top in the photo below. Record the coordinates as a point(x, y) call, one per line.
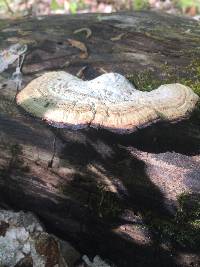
point(109, 101)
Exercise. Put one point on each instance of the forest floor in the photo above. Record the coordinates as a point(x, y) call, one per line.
point(9, 9)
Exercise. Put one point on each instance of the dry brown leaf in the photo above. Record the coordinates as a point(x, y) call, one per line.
point(192, 11)
point(87, 30)
point(81, 46)
point(118, 37)
point(83, 55)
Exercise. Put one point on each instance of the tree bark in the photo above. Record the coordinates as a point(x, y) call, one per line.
point(92, 187)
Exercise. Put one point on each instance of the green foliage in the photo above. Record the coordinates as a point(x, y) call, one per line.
point(73, 7)
point(2, 5)
point(55, 5)
point(140, 4)
point(184, 4)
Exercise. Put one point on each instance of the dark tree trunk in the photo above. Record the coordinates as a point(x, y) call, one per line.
point(92, 187)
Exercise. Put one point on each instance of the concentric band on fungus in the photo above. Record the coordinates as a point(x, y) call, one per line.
point(109, 101)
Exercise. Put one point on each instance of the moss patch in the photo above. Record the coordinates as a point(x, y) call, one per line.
point(192, 73)
point(100, 201)
point(105, 204)
point(190, 76)
point(183, 229)
point(144, 81)
point(147, 80)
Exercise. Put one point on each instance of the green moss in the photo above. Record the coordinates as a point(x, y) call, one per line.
point(102, 203)
point(73, 192)
point(193, 76)
point(190, 76)
point(105, 204)
point(196, 224)
point(144, 81)
point(147, 80)
point(189, 207)
point(183, 229)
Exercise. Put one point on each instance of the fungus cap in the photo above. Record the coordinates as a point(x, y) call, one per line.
point(109, 101)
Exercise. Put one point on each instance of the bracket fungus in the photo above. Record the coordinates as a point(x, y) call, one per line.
point(109, 101)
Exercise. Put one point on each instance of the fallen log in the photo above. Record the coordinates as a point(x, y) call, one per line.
point(91, 187)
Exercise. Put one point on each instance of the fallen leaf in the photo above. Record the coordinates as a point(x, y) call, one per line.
point(83, 55)
point(81, 46)
point(118, 37)
point(87, 30)
point(192, 11)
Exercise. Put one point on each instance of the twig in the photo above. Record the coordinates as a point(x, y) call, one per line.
point(50, 163)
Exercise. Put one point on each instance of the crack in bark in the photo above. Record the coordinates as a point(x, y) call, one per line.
point(50, 163)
